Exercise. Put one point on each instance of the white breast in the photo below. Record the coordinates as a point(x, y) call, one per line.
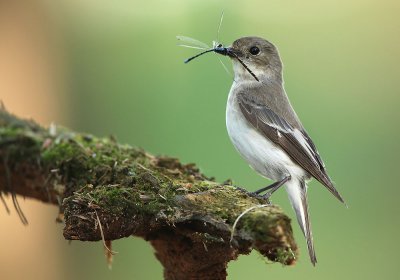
point(263, 155)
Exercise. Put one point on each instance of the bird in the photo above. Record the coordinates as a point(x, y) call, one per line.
point(266, 131)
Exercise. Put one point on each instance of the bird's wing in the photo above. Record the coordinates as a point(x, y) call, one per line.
point(297, 144)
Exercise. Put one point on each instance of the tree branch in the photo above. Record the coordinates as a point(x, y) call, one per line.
point(187, 217)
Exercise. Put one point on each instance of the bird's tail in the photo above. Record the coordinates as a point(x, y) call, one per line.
point(297, 191)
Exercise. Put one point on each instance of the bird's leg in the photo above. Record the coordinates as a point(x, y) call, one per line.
point(273, 187)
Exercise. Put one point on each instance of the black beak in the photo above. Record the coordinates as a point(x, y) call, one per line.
point(221, 50)
point(227, 51)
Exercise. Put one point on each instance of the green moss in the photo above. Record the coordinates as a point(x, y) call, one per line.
point(19, 144)
point(117, 200)
point(258, 223)
point(284, 255)
point(226, 203)
point(58, 153)
point(121, 200)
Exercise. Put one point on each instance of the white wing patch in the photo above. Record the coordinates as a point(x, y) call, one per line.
point(300, 137)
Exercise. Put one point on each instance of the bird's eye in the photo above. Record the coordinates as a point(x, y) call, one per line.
point(254, 50)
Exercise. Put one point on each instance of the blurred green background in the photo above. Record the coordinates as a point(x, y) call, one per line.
point(122, 74)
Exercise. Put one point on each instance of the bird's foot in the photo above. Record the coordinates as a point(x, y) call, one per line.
point(270, 189)
point(255, 194)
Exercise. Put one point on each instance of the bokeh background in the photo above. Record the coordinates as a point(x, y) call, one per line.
point(113, 67)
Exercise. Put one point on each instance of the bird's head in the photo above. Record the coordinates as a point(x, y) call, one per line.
point(253, 58)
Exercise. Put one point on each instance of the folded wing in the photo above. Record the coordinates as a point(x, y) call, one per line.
point(297, 144)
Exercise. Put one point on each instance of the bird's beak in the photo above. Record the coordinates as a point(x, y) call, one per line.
point(231, 52)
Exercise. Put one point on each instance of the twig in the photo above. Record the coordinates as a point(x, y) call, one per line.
point(4, 203)
point(102, 235)
point(17, 207)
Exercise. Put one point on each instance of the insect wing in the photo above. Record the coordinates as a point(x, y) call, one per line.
point(191, 43)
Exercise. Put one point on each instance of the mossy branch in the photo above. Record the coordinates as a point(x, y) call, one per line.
point(116, 190)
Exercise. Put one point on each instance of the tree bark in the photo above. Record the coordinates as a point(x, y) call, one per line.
point(107, 191)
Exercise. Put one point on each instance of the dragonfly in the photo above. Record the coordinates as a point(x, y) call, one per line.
point(188, 42)
point(192, 43)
